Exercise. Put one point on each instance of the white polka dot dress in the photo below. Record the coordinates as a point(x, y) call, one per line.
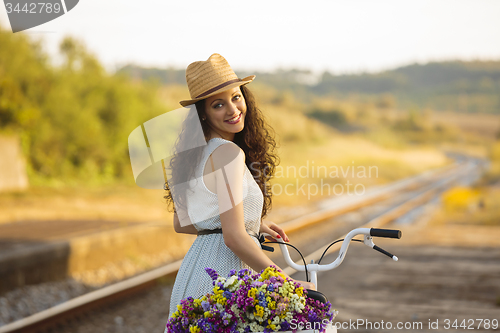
point(210, 250)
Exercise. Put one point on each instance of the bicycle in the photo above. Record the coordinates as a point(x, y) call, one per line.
point(314, 268)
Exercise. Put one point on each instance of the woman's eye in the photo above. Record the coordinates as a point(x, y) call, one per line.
point(237, 96)
point(216, 106)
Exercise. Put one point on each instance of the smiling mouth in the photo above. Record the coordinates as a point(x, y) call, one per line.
point(234, 120)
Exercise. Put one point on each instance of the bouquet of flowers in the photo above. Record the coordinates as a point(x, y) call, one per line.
point(243, 302)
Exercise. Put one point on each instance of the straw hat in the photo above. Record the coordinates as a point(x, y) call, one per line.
point(208, 78)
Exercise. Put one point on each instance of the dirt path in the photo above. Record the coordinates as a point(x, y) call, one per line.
point(428, 283)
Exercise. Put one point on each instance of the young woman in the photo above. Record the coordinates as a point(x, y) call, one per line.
point(227, 197)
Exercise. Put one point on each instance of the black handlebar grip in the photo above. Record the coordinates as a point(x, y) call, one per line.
point(387, 233)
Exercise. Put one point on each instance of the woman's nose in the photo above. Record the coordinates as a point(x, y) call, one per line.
point(233, 107)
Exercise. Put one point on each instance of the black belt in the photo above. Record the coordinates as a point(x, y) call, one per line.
point(260, 237)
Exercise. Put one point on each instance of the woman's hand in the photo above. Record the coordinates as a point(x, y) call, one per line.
point(274, 230)
point(306, 285)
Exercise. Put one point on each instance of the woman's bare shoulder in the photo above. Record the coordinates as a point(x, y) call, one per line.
point(226, 154)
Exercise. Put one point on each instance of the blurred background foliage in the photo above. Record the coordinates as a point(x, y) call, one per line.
point(74, 118)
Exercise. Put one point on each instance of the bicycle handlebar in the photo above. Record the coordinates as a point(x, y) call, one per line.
point(387, 233)
point(313, 268)
point(367, 232)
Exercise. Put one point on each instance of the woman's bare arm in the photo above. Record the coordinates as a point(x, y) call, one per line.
point(229, 163)
point(241, 243)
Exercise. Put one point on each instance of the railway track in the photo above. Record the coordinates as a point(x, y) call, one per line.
point(403, 196)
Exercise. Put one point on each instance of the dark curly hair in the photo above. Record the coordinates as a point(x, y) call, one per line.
point(256, 140)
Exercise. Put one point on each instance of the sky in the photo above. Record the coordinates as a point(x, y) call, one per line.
point(338, 36)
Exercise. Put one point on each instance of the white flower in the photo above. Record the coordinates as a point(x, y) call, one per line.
point(254, 327)
point(235, 287)
point(230, 281)
point(235, 309)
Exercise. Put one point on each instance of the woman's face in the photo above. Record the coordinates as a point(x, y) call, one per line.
point(226, 113)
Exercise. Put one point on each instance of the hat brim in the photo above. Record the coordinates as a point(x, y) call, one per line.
point(243, 81)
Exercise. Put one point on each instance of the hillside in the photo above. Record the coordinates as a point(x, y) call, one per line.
point(469, 87)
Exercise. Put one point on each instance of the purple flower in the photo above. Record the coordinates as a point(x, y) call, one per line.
point(205, 305)
point(212, 272)
point(285, 326)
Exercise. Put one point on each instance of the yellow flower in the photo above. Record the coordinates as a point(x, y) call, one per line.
point(268, 272)
point(252, 292)
point(271, 326)
point(259, 311)
point(194, 329)
point(299, 291)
